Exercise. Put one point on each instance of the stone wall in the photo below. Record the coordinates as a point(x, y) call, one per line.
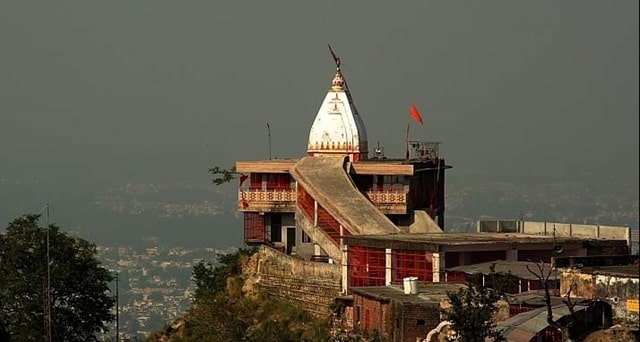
point(583, 284)
point(616, 291)
point(312, 286)
point(398, 321)
point(370, 314)
point(417, 320)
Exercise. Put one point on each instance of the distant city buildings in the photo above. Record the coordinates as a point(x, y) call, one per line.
point(155, 284)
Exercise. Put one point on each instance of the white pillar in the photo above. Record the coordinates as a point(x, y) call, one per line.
point(345, 270)
point(387, 275)
point(315, 213)
point(438, 267)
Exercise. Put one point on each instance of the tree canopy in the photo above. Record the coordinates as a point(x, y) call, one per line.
point(212, 279)
point(472, 310)
point(80, 305)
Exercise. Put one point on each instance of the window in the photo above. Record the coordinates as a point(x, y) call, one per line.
point(366, 266)
point(407, 263)
point(255, 181)
point(278, 181)
point(421, 322)
point(254, 227)
point(305, 237)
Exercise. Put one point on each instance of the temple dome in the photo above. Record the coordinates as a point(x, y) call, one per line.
point(338, 129)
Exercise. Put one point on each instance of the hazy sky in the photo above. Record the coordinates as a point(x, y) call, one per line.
point(165, 89)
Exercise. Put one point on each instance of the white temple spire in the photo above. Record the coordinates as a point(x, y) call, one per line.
point(338, 129)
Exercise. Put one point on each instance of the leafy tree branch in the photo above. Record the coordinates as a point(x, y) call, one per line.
point(222, 176)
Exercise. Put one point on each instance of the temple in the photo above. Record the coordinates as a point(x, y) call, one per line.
point(375, 221)
point(307, 206)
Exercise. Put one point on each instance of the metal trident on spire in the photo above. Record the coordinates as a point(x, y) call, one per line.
point(346, 87)
point(335, 57)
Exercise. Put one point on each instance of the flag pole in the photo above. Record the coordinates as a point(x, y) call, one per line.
point(413, 114)
point(407, 140)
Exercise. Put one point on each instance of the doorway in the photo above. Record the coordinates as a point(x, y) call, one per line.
point(291, 239)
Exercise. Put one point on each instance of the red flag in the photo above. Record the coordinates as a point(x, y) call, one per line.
point(415, 114)
point(242, 179)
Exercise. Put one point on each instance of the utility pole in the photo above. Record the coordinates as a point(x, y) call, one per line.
point(117, 275)
point(48, 290)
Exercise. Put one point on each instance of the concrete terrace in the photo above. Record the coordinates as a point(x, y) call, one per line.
point(435, 242)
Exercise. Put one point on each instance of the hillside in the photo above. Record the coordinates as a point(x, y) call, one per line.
point(229, 306)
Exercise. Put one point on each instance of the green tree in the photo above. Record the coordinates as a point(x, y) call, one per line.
point(80, 304)
point(211, 279)
point(221, 312)
point(471, 312)
point(222, 176)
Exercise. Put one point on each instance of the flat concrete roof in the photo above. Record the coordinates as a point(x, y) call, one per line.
point(435, 242)
point(515, 268)
point(428, 293)
point(533, 298)
point(629, 271)
point(368, 166)
point(266, 166)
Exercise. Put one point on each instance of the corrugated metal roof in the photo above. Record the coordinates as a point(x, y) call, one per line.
point(524, 326)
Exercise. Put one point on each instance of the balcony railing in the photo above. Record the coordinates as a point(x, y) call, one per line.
point(389, 201)
point(387, 197)
point(266, 200)
point(277, 195)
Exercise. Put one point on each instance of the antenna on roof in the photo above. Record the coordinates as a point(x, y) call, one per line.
point(379, 152)
point(269, 136)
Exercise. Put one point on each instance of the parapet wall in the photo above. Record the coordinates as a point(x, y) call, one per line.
point(592, 231)
point(313, 286)
point(618, 291)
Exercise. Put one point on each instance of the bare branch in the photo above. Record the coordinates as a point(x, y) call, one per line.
point(571, 304)
point(544, 281)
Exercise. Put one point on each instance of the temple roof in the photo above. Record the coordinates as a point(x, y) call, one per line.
point(338, 128)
